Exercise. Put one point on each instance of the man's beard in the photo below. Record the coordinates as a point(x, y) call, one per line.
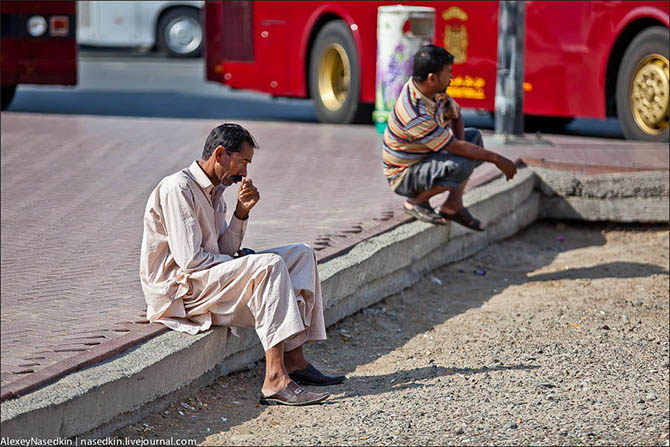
point(236, 178)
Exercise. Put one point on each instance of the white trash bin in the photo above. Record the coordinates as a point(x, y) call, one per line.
point(401, 30)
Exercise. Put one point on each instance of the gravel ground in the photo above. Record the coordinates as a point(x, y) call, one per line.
point(563, 341)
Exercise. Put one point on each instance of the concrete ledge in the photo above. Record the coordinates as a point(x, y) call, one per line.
point(619, 185)
point(87, 399)
point(619, 210)
point(102, 398)
point(618, 197)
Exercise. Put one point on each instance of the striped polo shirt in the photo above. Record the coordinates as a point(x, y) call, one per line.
point(417, 126)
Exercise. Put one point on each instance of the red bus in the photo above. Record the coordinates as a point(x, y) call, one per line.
point(591, 59)
point(39, 44)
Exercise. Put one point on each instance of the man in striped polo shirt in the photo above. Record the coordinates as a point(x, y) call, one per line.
point(427, 150)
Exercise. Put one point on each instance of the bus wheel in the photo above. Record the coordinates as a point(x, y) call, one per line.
point(643, 87)
point(7, 95)
point(334, 74)
point(180, 33)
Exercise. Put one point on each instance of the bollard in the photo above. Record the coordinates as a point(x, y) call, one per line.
point(401, 30)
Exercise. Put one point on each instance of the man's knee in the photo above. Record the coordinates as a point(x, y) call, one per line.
point(468, 168)
point(474, 136)
point(304, 252)
point(271, 259)
point(305, 248)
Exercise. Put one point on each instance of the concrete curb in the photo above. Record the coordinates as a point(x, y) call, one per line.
point(102, 398)
point(619, 197)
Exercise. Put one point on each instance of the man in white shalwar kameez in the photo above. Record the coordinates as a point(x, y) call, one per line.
point(194, 275)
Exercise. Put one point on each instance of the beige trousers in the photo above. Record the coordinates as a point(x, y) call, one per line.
point(277, 291)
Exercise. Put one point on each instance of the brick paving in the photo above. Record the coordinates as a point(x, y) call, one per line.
point(74, 190)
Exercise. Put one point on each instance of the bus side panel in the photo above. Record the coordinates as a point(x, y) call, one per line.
point(212, 20)
point(8, 61)
point(39, 7)
point(553, 47)
point(31, 61)
point(469, 30)
point(37, 60)
point(366, 22)
point(275, 45)
point(565, 45)
point(567, 55)
point(277, 67)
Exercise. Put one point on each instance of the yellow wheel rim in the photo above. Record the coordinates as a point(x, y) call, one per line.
point(334, 77)
point(650, 93)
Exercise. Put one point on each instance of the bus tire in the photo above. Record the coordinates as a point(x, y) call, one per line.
point(642, 88)
point(7, 95)
point(334, 74)
point(179, 33)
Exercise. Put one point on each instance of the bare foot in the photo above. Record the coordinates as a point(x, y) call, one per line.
point(274, 384)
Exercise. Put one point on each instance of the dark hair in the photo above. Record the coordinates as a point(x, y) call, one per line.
point(430, 59)
point(229, 135)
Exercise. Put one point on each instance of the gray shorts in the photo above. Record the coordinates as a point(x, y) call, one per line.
point(440, 169)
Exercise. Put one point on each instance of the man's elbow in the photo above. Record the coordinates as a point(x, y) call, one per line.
point(457, 147)
point(227, 248)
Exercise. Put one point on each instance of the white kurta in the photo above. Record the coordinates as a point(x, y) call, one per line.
point(191, 280)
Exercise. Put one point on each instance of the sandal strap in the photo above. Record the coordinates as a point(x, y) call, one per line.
point(465, 214)
point(424, 213)
point(464, 218)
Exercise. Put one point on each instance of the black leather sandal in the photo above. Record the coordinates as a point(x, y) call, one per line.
point(314, 377)
point(424, 213)
point(464, 218)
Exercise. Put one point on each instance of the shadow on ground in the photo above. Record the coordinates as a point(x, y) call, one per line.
point(161, 104)
point(387, 326)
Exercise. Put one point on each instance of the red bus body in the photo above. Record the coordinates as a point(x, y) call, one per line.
point(573, 49)
point(47, 59)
